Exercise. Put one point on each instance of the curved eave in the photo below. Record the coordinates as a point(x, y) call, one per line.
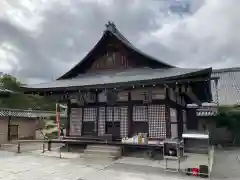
point(73, 85)
point(132, 47)
point(77, 66)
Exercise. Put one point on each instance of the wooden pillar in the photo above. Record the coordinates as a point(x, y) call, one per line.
point(68, 117)
point(97, 114)
point(82, 130)
point(192, 119)
point(105, 118)
point(130, 115)
point(167, 114)
point(180, 121)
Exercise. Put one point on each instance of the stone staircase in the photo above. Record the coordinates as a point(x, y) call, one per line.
point(106, 152)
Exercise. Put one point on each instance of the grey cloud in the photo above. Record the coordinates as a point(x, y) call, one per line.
point(209, 37)
point(31, 61)
point(67, 35)
point(69, 31)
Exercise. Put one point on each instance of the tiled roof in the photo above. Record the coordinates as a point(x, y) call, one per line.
point(228, 86)
point(126, 76)
point(206, 112)
point(207, 109)
point(26, 113)
point(111, 30)
point(13, 113)
point(111, 27)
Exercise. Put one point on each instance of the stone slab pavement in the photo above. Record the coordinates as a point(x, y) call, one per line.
point(227, 164)
point(39, 167)
point(28, 166)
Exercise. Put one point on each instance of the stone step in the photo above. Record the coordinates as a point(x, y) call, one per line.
point(98, 156)
point(103, 152)
point(105, 147)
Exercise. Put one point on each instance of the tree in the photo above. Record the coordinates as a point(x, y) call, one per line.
point(19, 100)
point(229, 116)
point(10, 82)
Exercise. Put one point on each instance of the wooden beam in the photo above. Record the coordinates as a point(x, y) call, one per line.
point(68, 117)
point(97, 115)
point(167, 114)
point(130, 115)
point(192, 96)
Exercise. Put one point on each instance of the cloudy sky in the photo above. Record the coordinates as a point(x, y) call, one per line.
point(42, 39)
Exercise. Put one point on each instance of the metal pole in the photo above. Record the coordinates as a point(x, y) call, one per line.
point(60, 153)
point(43, 150)
point(49, 145)
point(18, 148)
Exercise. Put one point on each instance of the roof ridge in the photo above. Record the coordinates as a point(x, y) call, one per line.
point(112, 30)
point(222, 70)
point(110, 26)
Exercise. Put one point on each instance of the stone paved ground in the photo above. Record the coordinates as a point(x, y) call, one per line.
point(35, 167)
point(27, 147)
point(30, 166)
point(227, 164)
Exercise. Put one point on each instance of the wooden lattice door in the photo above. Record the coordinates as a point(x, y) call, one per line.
point(113, 122)
point(89, 121)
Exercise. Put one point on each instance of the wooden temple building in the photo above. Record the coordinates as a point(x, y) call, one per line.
point(118, 90)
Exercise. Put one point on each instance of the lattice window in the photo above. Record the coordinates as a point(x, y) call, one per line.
point(113, 116)
point(156, 121)
point(124, 122)
point(117, 113)
point(140, 113)
point(89, 114)
point(109, 114)
point(101, 121)
point(76, 122)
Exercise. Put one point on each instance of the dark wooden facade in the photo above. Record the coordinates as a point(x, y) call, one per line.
point(132, 112)
point(155, 104)
point(163, 115)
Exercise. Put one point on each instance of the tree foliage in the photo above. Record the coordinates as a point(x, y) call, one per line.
point(229, 116)
point(19, 100)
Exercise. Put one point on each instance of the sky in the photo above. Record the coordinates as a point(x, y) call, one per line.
point(41, 39)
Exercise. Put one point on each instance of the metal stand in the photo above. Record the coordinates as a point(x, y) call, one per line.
point(174, 146)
